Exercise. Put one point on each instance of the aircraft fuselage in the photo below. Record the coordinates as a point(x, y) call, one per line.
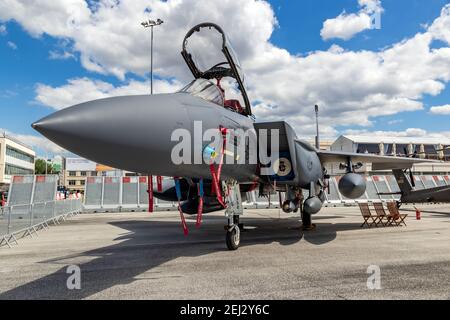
point(135, 133)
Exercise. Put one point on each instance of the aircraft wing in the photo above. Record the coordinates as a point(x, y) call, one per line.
point(378, 162)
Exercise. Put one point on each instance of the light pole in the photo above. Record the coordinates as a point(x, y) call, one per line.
point(150, 24)
point(316, 109)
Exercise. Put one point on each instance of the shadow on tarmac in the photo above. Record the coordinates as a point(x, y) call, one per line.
point(148, 244)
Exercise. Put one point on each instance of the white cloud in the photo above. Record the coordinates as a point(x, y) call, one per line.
point(396, 121)
point(441, 110)
point(38, 143)
point(3, 30)
point(111, 40)
point(64, 55)
point(351, 87)
point(410, 132)
point(345, 26)
point(440, 29)
point(84, 89)
point(12, 45)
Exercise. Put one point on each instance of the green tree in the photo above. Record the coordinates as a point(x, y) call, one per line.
point(39, 167)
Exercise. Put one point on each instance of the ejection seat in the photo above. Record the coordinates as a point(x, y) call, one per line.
point(234, 105)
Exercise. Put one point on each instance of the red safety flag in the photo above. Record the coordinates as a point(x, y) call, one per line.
point(183, 221)
point(199, 213)
point(150, 193)
point(215, 183)
point(216, 175)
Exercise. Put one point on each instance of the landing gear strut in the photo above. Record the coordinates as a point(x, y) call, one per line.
point(233, 236)
point(306, 222)
point(233, 210)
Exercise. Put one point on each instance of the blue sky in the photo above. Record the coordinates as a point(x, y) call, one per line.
point(299, 32)
point(25, 60)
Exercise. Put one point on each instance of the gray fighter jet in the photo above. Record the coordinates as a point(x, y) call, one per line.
point(142, 134)
point(410, 195)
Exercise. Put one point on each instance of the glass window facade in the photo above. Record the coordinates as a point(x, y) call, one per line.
point(389, 149)
point(72, 173)
point(15, 170)
point(402, 149)
point(430, 149)
point(447, 150)
point(20, 155)
point(368, 148)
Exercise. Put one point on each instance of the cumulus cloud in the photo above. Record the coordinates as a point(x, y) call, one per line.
point(111, 40)
point(85, 89)
point(351, 87)
point(440, 29)
point(2, 29)
point(38, 143)
point(441, 110)
point(346, 26)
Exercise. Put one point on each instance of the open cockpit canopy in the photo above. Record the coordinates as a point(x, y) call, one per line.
point(209, 55)
point(205, 89)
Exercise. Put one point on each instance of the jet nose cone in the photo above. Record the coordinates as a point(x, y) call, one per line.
point(40, 125)
point(57, 124)
point(122, 132)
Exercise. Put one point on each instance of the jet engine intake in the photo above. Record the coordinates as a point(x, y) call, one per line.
point(169, 193)
point(210, 204)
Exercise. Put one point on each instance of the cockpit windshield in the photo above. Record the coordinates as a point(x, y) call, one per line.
point(210, 56)
point(205, 89)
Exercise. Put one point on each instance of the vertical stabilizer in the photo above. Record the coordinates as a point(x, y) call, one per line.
point(402, 181)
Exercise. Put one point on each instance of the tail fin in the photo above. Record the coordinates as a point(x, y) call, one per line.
point(403, 181)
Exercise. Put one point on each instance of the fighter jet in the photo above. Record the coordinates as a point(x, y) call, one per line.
point(206, 137)
point(410, 195)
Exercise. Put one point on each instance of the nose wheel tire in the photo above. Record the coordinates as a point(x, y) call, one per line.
point(233, 238)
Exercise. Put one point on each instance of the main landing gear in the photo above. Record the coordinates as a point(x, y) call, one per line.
point(307, 225)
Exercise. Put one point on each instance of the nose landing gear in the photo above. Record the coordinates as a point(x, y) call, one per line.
point(233, 210)
point(233, 237)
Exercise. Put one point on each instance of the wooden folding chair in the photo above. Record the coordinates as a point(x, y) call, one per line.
point(369, 219)
point(395, 216)
point(381, 214)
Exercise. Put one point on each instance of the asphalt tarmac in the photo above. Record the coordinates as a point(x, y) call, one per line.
point(146, 256)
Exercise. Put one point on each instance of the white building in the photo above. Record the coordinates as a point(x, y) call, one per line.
point(76, 170)
point(16, 158)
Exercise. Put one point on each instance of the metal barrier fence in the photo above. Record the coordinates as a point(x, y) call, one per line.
point(20, 220)
point(129, 193)
point(28, 189)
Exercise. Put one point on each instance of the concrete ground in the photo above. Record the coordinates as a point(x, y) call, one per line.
point(146, 256)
